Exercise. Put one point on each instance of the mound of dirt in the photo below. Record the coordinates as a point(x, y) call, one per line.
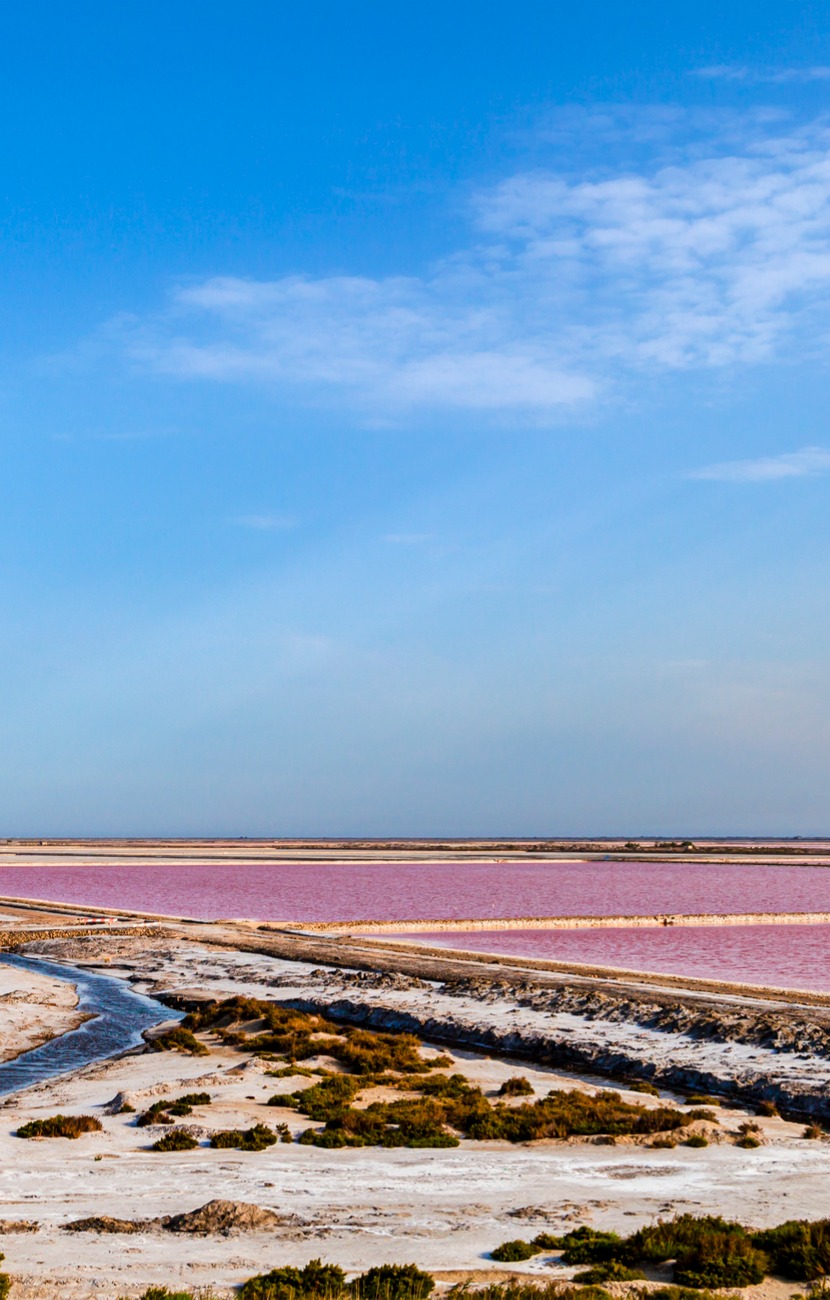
point(223, 1217)
point(104, 1223)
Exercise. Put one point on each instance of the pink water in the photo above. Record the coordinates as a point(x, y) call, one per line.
point(422, 891)
point(786, 956)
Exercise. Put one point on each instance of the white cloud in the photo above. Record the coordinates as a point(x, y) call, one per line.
point(716, 256)
point(794, 464)
point(762, 76)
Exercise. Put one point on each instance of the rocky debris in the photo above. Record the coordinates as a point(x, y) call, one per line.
point(222, 1218)
point(217, 1218)
point(18, 1225)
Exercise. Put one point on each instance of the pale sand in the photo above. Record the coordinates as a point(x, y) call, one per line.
point(442, 1209)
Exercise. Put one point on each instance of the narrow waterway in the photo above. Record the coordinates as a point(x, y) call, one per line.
point(119, 1016)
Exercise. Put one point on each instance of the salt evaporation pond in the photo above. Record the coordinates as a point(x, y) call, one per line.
point(783, 956)
point(419, 891)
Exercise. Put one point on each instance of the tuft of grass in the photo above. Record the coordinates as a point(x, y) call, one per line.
point(612, 1271)
point(517, 1086)
point(812, 1132)
point(642, 1086)
point(696, 1140)
point(60, 1126)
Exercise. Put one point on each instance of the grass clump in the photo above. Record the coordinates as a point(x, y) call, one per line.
point(698, 1140)
point(517, 1086)
point(812, 1132)
point(180, 1039)
point(250, 1139)
point(60, 1126)
point(642, 1086)
point(178, 1140)
point(511, 1252)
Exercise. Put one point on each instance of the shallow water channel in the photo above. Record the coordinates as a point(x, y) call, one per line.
point(119, 1016)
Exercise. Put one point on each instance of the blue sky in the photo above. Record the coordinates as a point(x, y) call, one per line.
point(414, 418)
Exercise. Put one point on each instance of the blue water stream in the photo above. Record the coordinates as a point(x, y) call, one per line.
point(119, 1017)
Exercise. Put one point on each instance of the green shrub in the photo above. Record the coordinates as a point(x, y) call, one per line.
point(663, 1144)
point(517, 1086)
point(748, 1142)
point(162, 1293)
point(393, 1282)
point(250, 1139)
point(721, 1259)
point(697, 1140)
point(589, 1246)
point(317, 1281)
point(179, 1040)
point(642, 1086)
point(798, 1249)
point(612, 1271)
point(5, 1284)
point(178, 1140)
point(510, 1252)
point(60, 1126)
point(162, 1112)
point(702, 1099)
point(547, 1241)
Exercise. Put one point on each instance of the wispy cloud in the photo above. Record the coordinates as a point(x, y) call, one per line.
point(265, 523)
point(762, 76)
point(714, 256)
point(765, 469)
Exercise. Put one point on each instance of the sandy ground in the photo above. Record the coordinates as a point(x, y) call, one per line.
point(33, 1008)
point(442, 1209)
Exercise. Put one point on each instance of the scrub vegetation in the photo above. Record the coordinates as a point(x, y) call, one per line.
point(60, 1126)
point(707, 1252)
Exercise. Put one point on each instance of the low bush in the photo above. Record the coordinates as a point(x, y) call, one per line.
point(317, 1281)
point(642, 1086)
point(178, 1140)
point(721, 1259)
point(748, 1142)
point(517, 1086)
point(547, 1241)
point(589, 1246)
point(250, 1139)
point(663, 1144)
point(179, 1040)
point(60, 1126)
point(162, 1293)
point(510, 1252)
point(697, 1140)
point(393, 1282)
point(812, 1132)
point(612, 1271)
point(702, 1099)
point(162, 1112)
point(798, 1249)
